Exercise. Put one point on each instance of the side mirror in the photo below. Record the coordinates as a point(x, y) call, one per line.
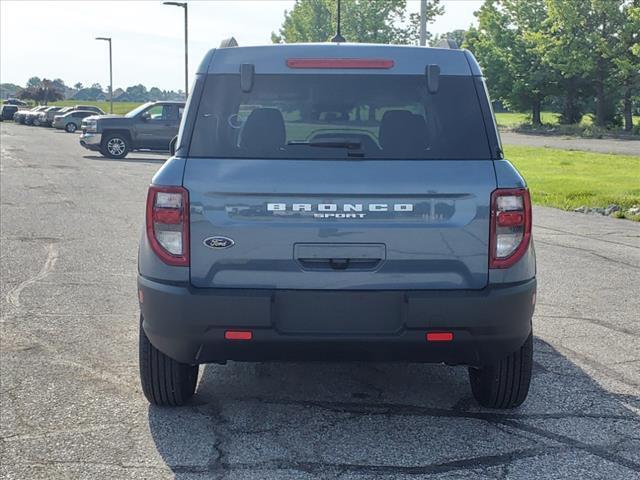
point(145, 116)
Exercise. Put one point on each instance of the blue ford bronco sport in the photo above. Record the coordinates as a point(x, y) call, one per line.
point(338, 202)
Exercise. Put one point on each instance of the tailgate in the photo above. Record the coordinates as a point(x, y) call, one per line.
point(323, 224)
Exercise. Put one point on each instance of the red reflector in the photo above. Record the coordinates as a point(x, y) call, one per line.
point(238, 335)
point(172, 216)
point(339, 63)
point(439, 336)
point(510, 219)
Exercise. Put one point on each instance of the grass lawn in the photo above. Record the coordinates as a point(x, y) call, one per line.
point(569, 179)
point(118, 107)
point(512, 120)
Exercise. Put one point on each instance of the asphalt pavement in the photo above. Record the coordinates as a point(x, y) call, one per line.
point(72, 406)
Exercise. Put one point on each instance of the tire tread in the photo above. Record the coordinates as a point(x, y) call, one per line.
point(165, 381)
point(504, 384)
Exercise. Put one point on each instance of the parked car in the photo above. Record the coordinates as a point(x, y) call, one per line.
point(21, 115)
point(150, 126)
point(40, 119)
point(338, 202)
point(15, 101)
point(31, 116)
point(48, 119)
point(71, 121)
point(7, 111)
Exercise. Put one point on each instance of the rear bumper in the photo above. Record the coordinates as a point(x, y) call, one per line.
point(189, 324)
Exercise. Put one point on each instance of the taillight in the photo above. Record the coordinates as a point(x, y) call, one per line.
point(510, 229)
point(168, 223)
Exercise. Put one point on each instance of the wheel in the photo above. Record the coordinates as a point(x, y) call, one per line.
point(165, 381)
point(115, 145)
point(70, 127)
point(504, 384)
point(36, 123)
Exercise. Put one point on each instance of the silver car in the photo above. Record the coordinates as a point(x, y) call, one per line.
point(71, 121)
point(45, 117)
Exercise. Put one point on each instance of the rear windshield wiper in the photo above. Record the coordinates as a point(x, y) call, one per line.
point(330, 143)
point(336, 142)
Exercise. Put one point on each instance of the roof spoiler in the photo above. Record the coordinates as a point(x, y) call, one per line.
point(228, 42)
point(447, 43)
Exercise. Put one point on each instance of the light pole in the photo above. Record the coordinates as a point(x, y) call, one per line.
point(108, 39)
point(423, 22)
point(186, 45)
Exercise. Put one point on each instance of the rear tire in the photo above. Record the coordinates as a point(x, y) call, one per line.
point(115, 146)
point(504, 384)
point(165, 381)
point(71, 127)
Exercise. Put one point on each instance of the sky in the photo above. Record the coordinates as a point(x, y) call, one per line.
point(55, 39)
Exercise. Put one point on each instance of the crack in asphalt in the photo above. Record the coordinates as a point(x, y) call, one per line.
point(577, 444)
point(589, 237)
point(604, 257)
point(317, 468)
point(595, 321)
point(600, 367)
point(492, 418)
point(419, 411)
point(513, 421)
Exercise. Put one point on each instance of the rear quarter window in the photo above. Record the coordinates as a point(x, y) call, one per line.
point(378, 116)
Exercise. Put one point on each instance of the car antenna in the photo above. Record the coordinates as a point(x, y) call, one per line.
point(338, 38)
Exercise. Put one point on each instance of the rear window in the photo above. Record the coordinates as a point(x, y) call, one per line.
point(339, 116)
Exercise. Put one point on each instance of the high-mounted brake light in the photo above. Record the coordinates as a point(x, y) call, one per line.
point(168, 224)
point(375, 63)
point(510, 227)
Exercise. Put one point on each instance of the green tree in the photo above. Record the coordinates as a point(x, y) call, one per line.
point(308, 21)
point(506, 45)
point(583, 40)
point(34, 82)
point(156, 94)
point(138, 93)
point(78, 86)
point(44, 92)
point(367, 21)
point(627, 59)
point(456, 35)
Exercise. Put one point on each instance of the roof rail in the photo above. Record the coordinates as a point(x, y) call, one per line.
point(228, 42)
point(447, 43)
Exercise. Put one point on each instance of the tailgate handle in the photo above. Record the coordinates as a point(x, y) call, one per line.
point(339, 263)
point(339, 256)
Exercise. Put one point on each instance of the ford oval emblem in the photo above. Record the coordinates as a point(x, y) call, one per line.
point(219, 242)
